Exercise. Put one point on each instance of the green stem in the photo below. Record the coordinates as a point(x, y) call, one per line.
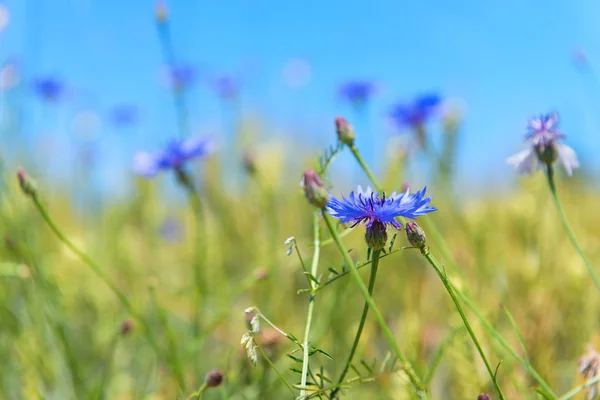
point(198, 393)
point(565, 222)
point(98, 272)
point(311, 304)
point(361, 324)
point(407, 367)
point(571, 393)
point(450, 290)
point(365, 168)
point(279, 374)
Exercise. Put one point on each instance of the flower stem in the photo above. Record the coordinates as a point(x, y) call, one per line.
point(361, 324)
point(311, 304)
point(450, 290)
point(98, 272)
point(197, 395)
point(365, 167)
point(406, 366)
point(565, 222)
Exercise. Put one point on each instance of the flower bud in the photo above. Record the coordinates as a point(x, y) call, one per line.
point(214, 378)
point(315, 192)
point(345, 132)
point(376, 235)
point(27, 184)
point(126, 327)
point(415, 235)
point(483, 396)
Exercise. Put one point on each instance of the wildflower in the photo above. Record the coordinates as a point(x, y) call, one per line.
point(416, 113)
point(226, 87)
point(345, 132)
point(214, 378)
point(483, 396)
point(589, 367)
point(544, 147)
point(124, 115)
point(49, 88)
point(416, 235)
point(378, 212)
point(357, 92)
point(173, 156)
point(315, 192)
point(181, 77)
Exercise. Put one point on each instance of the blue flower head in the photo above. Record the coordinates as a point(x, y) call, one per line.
point(416, 113)
point(369, 207)
point(357, 92)
point(173, 156)
point(544, 147)
point(181, 76)
point(226, 86)
point(49, 88)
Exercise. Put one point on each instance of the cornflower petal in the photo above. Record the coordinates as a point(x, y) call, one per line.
point(525, 162)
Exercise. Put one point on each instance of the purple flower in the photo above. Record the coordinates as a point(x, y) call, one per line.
point(173, 156)
point(49, 88)
point(416, 113)
point(181, 76)
point(226, 86)
point(357, 92)
point(544, 147)
point(124, 115)
point(367, 206)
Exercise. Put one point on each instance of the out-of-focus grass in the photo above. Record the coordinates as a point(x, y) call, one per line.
point(60, 335)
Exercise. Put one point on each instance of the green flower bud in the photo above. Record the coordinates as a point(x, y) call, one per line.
point(415, 235)
point(345, 132)
point(376, 235)
point(547, 153)
point(27, 184)
point(315, 192)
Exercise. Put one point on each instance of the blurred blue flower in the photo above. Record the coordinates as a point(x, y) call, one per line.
point(124, 115)
point(226, 86)
point(544, 147)
point(416, 113)
point(171, 230)
point(181, 76)
point(173, 156)
point(49, 88)
point(367, 206)
point(357, 92)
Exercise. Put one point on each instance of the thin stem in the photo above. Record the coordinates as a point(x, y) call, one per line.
point(279, 375)
point(311, 304)
point(198, 393)
point(565, 222)
point(98, 272)
point(407, 367)
point(450, 290)
point(571, 393)
point(365, 168)
point(361, 324)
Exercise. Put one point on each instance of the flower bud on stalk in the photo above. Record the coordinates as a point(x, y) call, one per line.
point(415, 235)
point(315, 192)
point(376, 235)
point(27, 184)
point(345, 132)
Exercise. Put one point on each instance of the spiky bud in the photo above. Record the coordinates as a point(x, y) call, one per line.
point(483, 396)
point(126, 327)
point(27, 184)
point(415, 235)
point(345, 132)
point(214, 378)
point(315, 192)
point(376, 235)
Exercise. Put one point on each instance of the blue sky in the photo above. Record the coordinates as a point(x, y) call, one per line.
point(505, 60)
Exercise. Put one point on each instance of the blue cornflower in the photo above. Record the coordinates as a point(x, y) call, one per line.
point(49, 88)
point(124, 115)
point(416, 113)
point(357, 92)
point(544, 147)
point(173, 156)
point(367, 206)
point(226, 86)
point(378, 212)
point(181, 76)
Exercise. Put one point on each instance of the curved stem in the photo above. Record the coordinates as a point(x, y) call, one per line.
point(197, 395)
point(573, 392)
point(406, 366)
point(311, 304)
point(565, 222)
point(98, 272)
point(361, 324)
point(450, 290)
point(365, 168)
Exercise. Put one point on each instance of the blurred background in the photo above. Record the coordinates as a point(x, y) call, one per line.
point(86, 84)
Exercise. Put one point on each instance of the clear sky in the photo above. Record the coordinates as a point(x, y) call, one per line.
point(506, 60)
